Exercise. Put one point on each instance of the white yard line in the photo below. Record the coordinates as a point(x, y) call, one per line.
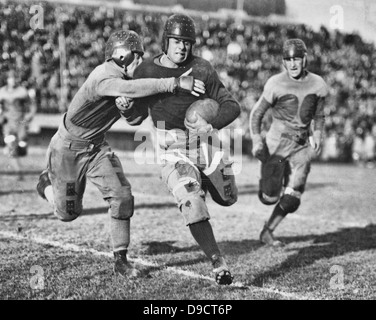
point(189, 274)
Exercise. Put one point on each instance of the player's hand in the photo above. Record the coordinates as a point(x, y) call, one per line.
point(258, 148)
point(190, 84)
point(124, 103)
point(316, 141)
point(200, 125)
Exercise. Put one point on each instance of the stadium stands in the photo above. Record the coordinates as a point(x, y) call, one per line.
point(245, 56)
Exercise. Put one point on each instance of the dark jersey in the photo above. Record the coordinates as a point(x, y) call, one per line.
point(171, 108)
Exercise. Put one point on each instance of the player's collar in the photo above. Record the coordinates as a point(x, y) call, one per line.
point(301, 79)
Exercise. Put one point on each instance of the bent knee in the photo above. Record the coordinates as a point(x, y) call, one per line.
point(121, 208)
point(194, 209)
point(290, 201)
point(268, 200)
point(68, 210)
point(66, 217)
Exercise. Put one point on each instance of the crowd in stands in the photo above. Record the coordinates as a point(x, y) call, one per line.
point(244, 55)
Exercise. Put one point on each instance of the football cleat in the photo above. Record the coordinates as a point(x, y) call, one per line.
point(222, 273)
point(44, 181)
point(266, 237)
point(123, 267)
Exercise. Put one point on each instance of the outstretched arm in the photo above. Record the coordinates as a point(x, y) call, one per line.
point(139, 88)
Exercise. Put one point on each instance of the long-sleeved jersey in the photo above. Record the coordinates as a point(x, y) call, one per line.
point(93, 111)
point(294, 103)
point(172, 108)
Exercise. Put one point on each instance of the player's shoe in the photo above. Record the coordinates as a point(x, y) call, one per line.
point(266, 237)
point(44, 181)
point(222, 273)
point(123, 267)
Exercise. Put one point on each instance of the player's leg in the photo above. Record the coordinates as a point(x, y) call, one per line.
point(63, 182)
point(295, 181)
point(107, 174)
point(274, 173)
point(184, 182)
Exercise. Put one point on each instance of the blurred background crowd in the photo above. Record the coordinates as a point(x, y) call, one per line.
point(245, 55)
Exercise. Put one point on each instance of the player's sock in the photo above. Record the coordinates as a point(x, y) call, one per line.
point(202, 232)
point(277, 216)
point(120, 233)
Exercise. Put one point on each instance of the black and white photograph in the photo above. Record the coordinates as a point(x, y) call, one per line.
point(186, 156)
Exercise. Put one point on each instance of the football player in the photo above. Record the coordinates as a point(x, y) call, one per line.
point(79, 151)
point(296, 99)
point(17, 109)
point(187, 178)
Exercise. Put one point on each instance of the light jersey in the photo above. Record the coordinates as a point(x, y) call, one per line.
point(294, 104)
point(93, 111)
point(14, 102)
point(171, 108)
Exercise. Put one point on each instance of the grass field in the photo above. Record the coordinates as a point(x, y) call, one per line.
point(330, 251)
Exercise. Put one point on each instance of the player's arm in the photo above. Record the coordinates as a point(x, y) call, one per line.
point(255, 121)
point(134, 111)
point(114, 86)
point(229, 108)
point(2, 118)
point(319, 122)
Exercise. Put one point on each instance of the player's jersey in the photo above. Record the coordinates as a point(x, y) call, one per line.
point(171, 108)
point(93, 111)
point(14, 103)
point(294, 104)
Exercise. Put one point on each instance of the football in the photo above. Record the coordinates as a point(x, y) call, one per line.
point(206, 108)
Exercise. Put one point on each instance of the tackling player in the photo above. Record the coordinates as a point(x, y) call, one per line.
point(79, 151)
point(296, 98)
point(185, 177)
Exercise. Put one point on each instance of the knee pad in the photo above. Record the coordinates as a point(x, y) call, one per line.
point(268, 200)
point(221, 184)
point(194, 209)
point(121, 208)
point(289, 203)
point(71, 211)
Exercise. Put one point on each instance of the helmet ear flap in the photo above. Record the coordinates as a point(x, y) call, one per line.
point(305, 62)
point(164, 44)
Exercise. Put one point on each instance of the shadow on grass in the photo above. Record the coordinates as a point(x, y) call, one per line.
point(320, 185)
point(8, 192)
point(161, 247)
point(91, 211)
point(253, 188)
point(328, 245)
point(24, 172)
point(247, 189)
